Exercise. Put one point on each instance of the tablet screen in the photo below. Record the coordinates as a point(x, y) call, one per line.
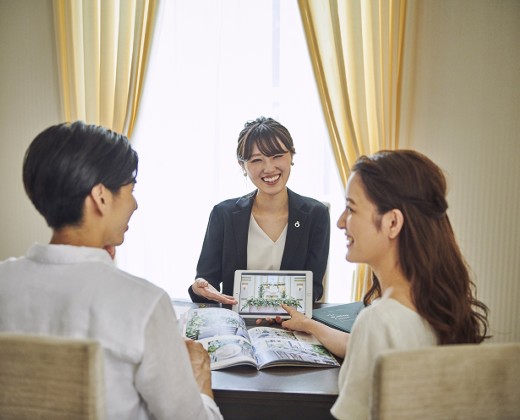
point(259, 293)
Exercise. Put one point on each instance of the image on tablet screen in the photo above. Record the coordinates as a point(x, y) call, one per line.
point(262, 293)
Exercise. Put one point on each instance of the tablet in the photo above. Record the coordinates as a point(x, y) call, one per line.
point(259, 293)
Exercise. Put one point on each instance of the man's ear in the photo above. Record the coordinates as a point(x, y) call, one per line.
point(99, 196)
point(393, 221)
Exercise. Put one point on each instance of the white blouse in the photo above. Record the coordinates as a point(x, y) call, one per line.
point(385, 324)
point(262, 252)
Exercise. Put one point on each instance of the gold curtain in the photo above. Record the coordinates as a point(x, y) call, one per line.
point(356, 49)
point(103, 49)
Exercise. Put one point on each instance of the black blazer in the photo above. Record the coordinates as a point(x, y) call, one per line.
point(225, 245)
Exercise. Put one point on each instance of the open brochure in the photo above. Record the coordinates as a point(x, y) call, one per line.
point(224, 335)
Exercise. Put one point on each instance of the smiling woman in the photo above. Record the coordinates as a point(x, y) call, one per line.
point(271, 228)
point(208, 74)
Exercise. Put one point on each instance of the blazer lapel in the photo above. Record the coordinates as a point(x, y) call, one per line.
point(241, 216)
point(295, 228)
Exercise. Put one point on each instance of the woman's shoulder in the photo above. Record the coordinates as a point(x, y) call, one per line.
point(301, 200)
point(389, 318)
point(384, 312)
point(232, 203)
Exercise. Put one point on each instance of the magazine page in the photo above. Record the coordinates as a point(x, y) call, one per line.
point(223, 334)
point(276, 346)
point(181, 309)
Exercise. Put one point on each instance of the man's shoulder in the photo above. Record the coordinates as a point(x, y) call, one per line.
point(131, 282)
point(12, 260)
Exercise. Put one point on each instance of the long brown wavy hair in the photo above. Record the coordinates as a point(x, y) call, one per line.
point(429, 256)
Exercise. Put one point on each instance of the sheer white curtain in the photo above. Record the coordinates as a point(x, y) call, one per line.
point(215, 65)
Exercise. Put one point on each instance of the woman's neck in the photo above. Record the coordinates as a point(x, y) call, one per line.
point(272, 204)
point(400, 286)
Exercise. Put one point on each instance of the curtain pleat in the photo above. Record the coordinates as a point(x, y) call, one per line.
point(356, 50)
point(103, 49)
point(91, 60)
point(108, 60)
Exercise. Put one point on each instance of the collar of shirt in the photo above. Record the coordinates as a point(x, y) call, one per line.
point(67, 254)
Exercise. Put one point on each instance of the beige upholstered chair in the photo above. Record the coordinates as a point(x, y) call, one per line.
point(448, 382)
point(50, 378)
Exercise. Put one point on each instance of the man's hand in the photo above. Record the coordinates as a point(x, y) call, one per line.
point(200, 365)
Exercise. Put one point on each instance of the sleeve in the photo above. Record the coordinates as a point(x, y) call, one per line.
point(318, 252)
point(164, 378)
point(369, 337)
point(209, 266)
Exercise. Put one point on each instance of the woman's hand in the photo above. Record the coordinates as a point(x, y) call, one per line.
point(202, 288)
point(297, 322)
point(334, 340)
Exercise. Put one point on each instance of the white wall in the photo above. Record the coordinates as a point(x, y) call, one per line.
point(463, 95)
point(464, 104)
point(29, 102)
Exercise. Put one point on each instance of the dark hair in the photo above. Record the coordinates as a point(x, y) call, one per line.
point(429, 256)
point(267, 134)
point(64, 162)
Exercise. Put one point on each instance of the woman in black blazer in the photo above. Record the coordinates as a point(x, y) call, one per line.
point(265, 151)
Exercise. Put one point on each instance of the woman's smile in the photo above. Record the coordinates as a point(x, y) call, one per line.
point(271, 179)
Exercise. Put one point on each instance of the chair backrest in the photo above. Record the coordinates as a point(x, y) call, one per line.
point(467, 381)
point(325, 281)
point(50, 378)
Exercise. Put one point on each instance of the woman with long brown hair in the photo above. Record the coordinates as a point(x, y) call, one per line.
point(422, 294)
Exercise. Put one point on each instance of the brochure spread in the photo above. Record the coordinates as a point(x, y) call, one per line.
point(229, 343)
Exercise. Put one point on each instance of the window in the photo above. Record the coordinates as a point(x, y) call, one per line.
point(215, 65)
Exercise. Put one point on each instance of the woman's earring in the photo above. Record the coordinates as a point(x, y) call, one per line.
point(292, 163)
point(245, 173)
